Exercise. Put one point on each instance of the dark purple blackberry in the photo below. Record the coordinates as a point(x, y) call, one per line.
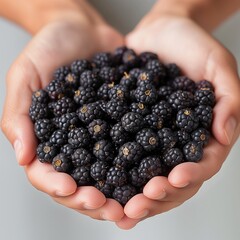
point(59, 138)
point(118, 134)
point(108, 74)
point(124, 193)
point(67, 149)
point(131, 152)
point(128, 81)
point(167, 138)
point(150, 167)
point(40, 96)
point(205, 96)
point(135, 179)
point(132, 122)
point(193, 151)
point(205, 115)
point(164, 92)
point(68, 121)
point(183, 137)
point(118, 54)
point(162, 109)
point(98, 170)
point(181, 99)
point(62, 163)
point(116, 176)
point(63, 106)
point(119, 92)
point(172, 157)
point(90, 78)
point(121, 69)
point(79, 137)
point(105, 188)
point(120, 162)
point(81, 157)
point(88, 112)
point(104, 150)
point(61, 73)
point(71, 81)
point(157, 68)
point(148, 139)
point(81, 175)
point(140, 108)
point(173, 71)
point(205, 84)
point(38, 111)
point(132, 97)
point(145, 77)
point(145, 57)
point(102, 59)
point(154, 121)
point(46, 151)
point(134, 72)
point(184, 83)
point(98, 129)
point(56, 89)
point(84, 95)
point(130, 58)
point(102, 92)
point(187, 119)
point(201, 135)
point(79, 66)
point(43, 129)
point(116, 109)
point(146, 93)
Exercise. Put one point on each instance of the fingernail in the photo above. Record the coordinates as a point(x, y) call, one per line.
point(62, 194)
point(142, 214)
point(18, 149)
point(162, 195)
point(230, 128)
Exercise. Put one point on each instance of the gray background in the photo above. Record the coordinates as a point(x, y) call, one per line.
point(27, 214)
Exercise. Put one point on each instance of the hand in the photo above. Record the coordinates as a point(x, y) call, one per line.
point(179, 40)
point(59, 42)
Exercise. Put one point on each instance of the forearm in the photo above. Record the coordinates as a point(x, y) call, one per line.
point(207, 13)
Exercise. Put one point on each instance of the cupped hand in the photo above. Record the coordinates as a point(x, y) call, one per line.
point(179, 40)
point(58, 43)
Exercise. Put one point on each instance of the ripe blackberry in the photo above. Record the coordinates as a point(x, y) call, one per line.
point(119, 92)
point(38, 111)
point(98, 129)
point(201, 135)
point(132, 97)
point(40, 96)
point(128, 81)
point(193, 151)
point(108, 74)
point(98, 170)
point(148, 139)
point(162, 109)
point(62, 163)
point(120, 163)
point(56, 89)
point(205, 84)
point(102, 59)
point(135, 179)
point(84, 95)
point(118, 134)
point(68, 121)
point(81, 175)
point(145, 77)
point(61, 73)
point(167, 138)
point(118, 54)
point(124, 193)
point(139, 108)
point(130, 58)
point(157, 68)
point(146, 93)
point(154, 121)
point(46, 151)
point(184, 83)
point(79, 66)
point(104, 150)
point(105, 188)
point(205, 115)
point(121, 69)
point(67, 149)
point(116, 176)
point(173, 71)
point(181, 99)
point(116, 109)
point(172, 157)
point(59, 138)
point(164, 92)
point(43, 129)
point(134, 72)
point(102, 92)
point(63, 106)
point(81, 157)
point(187, 119)
point(71, 81)
point(79, 137)
point(145, 57)
point(132, 122)
point(150, 167)
point(131, 152)
point(205, 96)
point(183, 137)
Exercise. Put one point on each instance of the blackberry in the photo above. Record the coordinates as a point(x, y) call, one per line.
point(150, 167)
point(102, 59)
point(201, 135)
point(124, 193)
point(38, 111)
point(120, 163)
point(132, 122)
point(43, 129)
point(81, 157)
point(135, 179)
point(148, 139)
point(102, 92)
point(108, 74)
point(59, 138)
point(63, 106)
point(40, 96)
point(146, 93)
point(68, 121)
point(79, 137)
point(181, 99)
point(128, 81)
point(164, 92)
point(90, 78)
point(183, 137)
point(187, 119)
point(134, 72)
point(193, 151)
point(104, 150)
point(46, 151)
point(205, 96)
point(154, 121)
point(105, 188)
point(130, 58)
point(131, 152)
point(56, 89)
point(119, 92)
point(162, 109)
point(62, 163)
point(61, 73)
point(81, 175)
point(84, 95)
point(71, 81)
point(98, 170)
point(116, 176)
point(118, 54)
point(167, 138)
point(67, 149)
point(132, 97)
point(145, 77)
point(118, 134)
point(157, 68)
point(205, 115)
point(79, 66)
point(172, 157)
point(184, 83)
point(139, 108)
point(173, 71)
point(205, 84)
point(121, 69)
point(145, 57)
point(98, 129)
point(116, 109)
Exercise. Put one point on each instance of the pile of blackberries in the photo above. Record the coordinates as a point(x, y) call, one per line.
point(119, 119)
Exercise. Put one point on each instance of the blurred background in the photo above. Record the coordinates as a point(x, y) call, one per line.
point(27, 214)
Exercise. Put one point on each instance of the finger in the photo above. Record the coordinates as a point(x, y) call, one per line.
point(127, 223)
point(43, 177)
